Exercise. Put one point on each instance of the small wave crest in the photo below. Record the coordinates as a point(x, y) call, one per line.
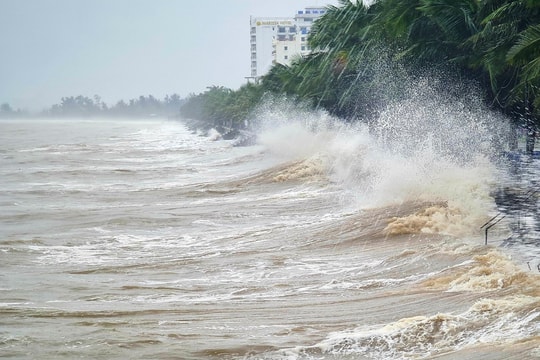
point(436, 219)
point(406, 338)
point(309, 169)
point(487, 272)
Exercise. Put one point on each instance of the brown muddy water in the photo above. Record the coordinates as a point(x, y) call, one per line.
point(144, 240)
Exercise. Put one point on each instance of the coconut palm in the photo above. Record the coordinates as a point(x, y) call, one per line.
point(501, 23)
point(526, 54)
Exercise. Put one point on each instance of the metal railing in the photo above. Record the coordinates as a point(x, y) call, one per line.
point(497, 218)
point(491, 223)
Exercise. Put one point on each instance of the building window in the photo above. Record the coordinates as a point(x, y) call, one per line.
point(303, 39)
point(253, 64)
point(303, 48)
point(285, 48)
point(285, 57)
point(281, 29)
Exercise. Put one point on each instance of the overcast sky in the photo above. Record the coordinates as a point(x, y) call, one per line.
point(121, 49)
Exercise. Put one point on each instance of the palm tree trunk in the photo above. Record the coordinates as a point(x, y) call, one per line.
point(529, 143)
point(513, 138)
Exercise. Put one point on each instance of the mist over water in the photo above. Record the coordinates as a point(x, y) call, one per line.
point(324, 240)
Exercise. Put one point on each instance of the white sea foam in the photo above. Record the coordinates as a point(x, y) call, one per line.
point(415, 150)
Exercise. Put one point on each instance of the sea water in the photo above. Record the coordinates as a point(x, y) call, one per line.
point(134, 239)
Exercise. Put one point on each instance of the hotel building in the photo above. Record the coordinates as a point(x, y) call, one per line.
point(280, 40)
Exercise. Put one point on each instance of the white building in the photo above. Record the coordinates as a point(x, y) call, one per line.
point(280, 40)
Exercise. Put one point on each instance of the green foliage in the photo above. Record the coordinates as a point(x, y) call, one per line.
point(500, 24)
point(221, 107)
point(526, 55)
point(495, 43)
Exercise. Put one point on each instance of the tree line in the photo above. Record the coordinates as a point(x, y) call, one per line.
point(363, 56)
point(6, 111)
point(83, 106)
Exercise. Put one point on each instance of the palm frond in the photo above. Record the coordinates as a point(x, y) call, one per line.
point(527, 46)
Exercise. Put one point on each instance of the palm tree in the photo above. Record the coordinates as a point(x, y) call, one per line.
point(501, 22)
point(341, 40)
point(526, 54)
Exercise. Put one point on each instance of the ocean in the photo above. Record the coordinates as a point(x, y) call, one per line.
point(145, 239)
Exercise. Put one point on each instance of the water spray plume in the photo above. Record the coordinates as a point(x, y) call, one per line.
point(427, 145)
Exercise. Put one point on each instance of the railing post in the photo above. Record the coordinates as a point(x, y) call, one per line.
point(490, 223)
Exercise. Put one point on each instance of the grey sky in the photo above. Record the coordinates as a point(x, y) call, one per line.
point(120, 49)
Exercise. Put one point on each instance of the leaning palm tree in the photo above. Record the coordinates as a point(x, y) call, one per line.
point(343, 42)
point(501, 22)
point(428, 33)
point(526, 54)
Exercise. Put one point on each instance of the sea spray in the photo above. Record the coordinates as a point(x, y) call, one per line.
point(428, 146)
